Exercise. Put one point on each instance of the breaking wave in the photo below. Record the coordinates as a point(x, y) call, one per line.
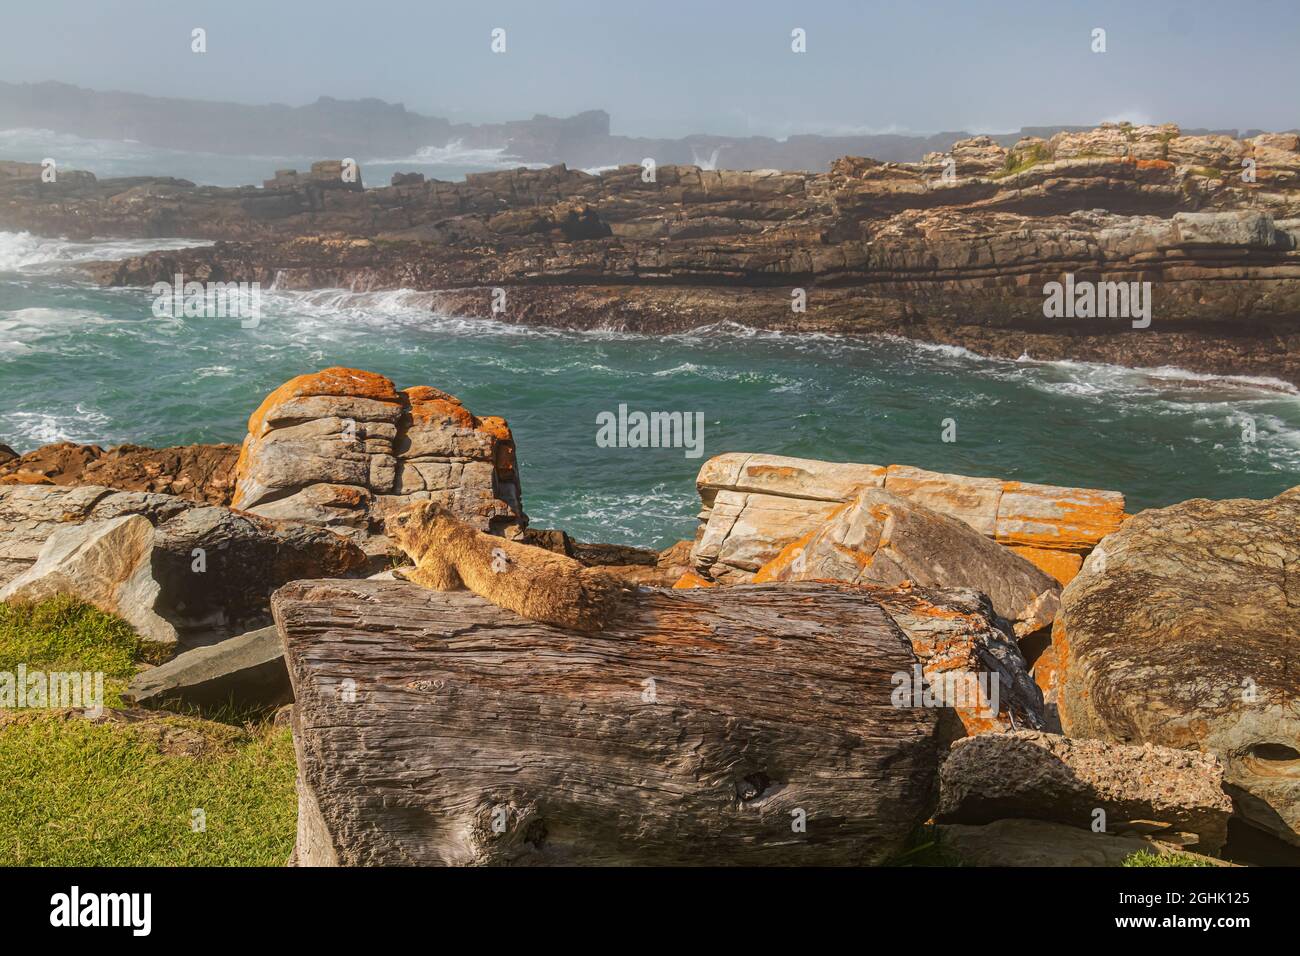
point(25, 253)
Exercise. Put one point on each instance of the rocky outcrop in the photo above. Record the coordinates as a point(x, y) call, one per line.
point(29, 515)
point(342, 448)
point(172, 569)
point(974, 669)
point(105, 563)
point(247, 671)
point(957, 248)
point(1182, 629)
point(754, 506)
point(203, 473)
point(880, 538)
point(745, 725)
point(378, 128)
point(1176, 795)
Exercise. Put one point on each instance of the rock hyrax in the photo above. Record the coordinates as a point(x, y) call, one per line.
point(533, 582)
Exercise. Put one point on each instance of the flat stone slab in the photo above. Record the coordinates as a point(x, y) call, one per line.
point(247, 670)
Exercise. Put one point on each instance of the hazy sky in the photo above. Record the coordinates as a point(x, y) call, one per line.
point(673, 67)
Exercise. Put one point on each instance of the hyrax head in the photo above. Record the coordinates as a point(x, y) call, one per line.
point(416, 526)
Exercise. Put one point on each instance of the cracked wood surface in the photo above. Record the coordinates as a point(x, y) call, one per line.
point(698, 730)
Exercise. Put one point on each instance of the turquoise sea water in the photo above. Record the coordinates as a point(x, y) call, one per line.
point(93, 365)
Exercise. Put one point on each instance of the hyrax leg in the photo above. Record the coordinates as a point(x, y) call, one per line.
point(436, 574)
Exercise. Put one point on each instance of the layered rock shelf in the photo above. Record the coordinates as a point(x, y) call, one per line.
point(955, 249)
point(342, 448)
point(755, 507)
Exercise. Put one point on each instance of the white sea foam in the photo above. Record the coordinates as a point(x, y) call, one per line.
point(31, 141)
point(456, 153)
point(32, 429)
point(34, 255)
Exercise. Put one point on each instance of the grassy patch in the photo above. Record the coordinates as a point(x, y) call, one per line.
point(1207, 172)
point(123, 791)
point(64, 634)
point(83, 794)
point(1018, 162)
point(1147, 858)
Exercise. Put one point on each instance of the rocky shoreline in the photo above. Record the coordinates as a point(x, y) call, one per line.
point(846, 651)
point(859, 647)
point(956, 249)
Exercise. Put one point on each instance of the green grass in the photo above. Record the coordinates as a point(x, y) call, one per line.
point(83, 794)
point(64, 634)
point(1147, 858)
point(1019, 162)
point(122, 792)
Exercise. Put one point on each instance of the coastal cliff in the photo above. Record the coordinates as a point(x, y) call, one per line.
point(956, 249)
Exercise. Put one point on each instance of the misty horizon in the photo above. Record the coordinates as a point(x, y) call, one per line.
point(676, 71)
point(830, 133)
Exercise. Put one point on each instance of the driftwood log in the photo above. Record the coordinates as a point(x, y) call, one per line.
point(745, 725)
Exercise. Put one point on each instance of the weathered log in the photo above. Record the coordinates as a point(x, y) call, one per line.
point(745, 725)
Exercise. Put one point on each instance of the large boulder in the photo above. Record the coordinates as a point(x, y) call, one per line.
point(105, 563)
point(342, 448)
point(1182, 630)
point(756, 505)
point(29, 514)
point(172, 569)
point(880, 538)
point(1175, 794)
point(749, 725)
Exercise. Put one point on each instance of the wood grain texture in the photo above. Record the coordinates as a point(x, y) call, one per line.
point(766, 699)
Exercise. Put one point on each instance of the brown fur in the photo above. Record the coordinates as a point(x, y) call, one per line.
point(534, 583)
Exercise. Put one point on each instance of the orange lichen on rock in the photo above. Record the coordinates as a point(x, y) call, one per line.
point(786, 556)
point(972, 500)
point(1069, 519)
point(1062, 565)
point(1050, 666)
point(771, 471)
point(496, 426)
point(428, 404)
point(334, 382)
point(692, 580)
